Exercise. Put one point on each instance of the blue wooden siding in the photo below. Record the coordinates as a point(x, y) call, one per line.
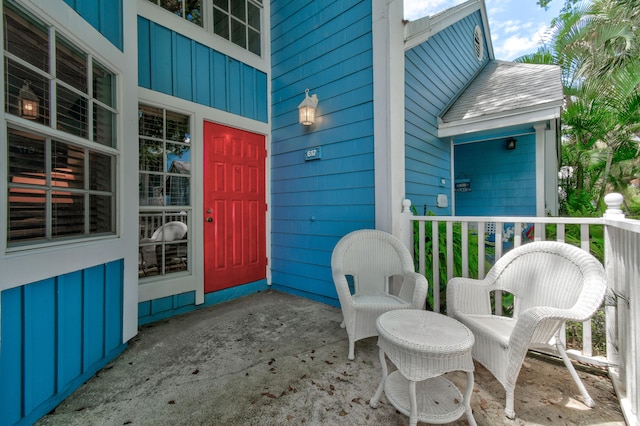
point(173, 64)
point(104, 15)
point(503, 183)
point(436, 71)
point(327, 48)
point(56, 334)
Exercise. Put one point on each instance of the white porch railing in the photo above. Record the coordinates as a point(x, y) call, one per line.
point(463, 241)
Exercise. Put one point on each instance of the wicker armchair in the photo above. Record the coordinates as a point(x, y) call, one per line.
point(373, 273)
point(552, 283)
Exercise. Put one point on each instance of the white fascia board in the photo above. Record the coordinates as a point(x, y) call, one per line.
point(497, 121)
point(418, 31)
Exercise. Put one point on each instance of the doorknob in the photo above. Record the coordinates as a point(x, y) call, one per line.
point(209, 219)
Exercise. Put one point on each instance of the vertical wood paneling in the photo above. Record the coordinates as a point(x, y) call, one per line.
point(39, 342)
point(161, 59)
point(176, 65)
point(327, 48)
point(94, 305)
point(114, 301)
point(69, 333)
point(11, 355)
point(234, 86)
point(56, 333)
point(104, 15)
point(183, 71)
point(144, 52)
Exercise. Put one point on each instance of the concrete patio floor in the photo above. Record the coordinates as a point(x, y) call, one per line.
point(276, 359)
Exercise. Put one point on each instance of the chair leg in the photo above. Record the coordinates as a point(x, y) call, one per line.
point(508, 409)
point(352, 346)
point(588, 401)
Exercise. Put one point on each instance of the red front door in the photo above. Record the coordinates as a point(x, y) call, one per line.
point(234, 207)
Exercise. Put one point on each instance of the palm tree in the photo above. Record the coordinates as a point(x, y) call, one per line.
point(597, 47)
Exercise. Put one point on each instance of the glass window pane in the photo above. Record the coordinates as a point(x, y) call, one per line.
point(254, 42)
point(103, 85)
point(177, 127)
point(238, 9)
point(16, 77)
point(72, 112)
point(193, 12)
point(151, 155)
point(27, 214)
point(238, 33)
point(174, 6)
point(178, 189)
point(71, 64)
point(151, 190)
point(67, 214)
point(222, 4)
point(253, 16)
point(100, 172)
point(104, 126)
point(26, 158)
point(150, 122)
point(101, 213)
point(26, 38)
point(67, 164)
point(179, 158)
point(221, 23)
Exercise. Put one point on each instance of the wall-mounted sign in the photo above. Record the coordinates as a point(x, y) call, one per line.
point(462, 185)
point(313, 154)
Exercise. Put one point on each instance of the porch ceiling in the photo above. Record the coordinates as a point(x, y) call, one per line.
point(504, 94)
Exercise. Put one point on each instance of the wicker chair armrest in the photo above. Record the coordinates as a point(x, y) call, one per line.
point(468, 296)
point(414, 289)
point(342, 288)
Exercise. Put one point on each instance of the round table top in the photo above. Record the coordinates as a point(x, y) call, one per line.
point(425, 332)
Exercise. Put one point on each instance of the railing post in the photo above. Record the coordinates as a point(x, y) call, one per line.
point(406, 229)
point(614, 202)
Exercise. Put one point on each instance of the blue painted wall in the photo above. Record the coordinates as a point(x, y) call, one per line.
point(436, 71)
point(104, 15)
point(56, 334)
point(327, 48)
point(173, 64)
point(503, 183)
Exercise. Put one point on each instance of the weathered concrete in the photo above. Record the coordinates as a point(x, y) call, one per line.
point(277, 359)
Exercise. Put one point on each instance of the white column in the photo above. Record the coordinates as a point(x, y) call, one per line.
point(540, 145)
point(388, 110)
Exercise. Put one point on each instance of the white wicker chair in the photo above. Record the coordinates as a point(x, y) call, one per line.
point(383, 278)
point(552, 283)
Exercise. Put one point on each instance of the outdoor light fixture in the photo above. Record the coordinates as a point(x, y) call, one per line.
point(28, 102)
point(307, 109)
point(511, 143)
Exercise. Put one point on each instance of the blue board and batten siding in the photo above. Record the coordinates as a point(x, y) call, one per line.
point(56, 334)
point(327, 48)
point(503, 183)
point(171, 63)
point(436, 71)
point(104, 15)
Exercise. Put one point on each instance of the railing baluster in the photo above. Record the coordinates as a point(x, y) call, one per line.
point(435, 238)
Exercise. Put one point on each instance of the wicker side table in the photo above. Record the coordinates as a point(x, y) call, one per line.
point(424, 345)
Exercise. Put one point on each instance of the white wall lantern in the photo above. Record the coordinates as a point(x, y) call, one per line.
point(28, 102)
point(307, 108)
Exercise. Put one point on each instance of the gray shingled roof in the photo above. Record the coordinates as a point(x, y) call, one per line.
point(506, 87)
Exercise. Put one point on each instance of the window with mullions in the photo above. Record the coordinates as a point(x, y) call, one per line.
point(238, 21)
point(164, 190)
point(59, 187)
